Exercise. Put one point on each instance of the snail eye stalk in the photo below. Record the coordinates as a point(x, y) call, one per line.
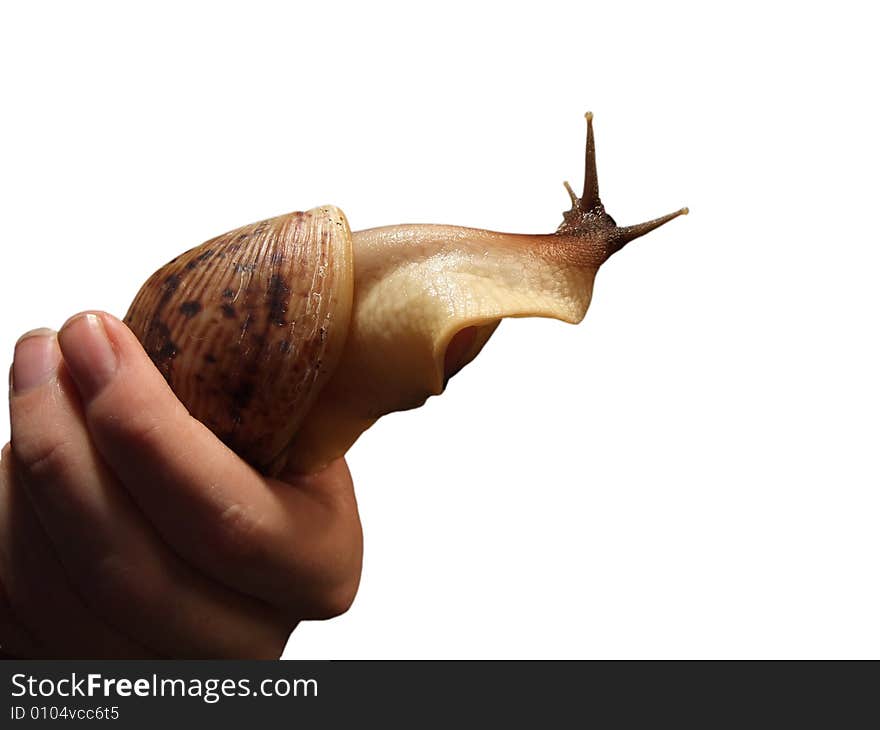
point(587, 216)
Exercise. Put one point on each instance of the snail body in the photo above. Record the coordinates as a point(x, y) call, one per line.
point(290, 337)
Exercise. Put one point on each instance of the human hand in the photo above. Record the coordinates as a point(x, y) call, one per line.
point(127, 529)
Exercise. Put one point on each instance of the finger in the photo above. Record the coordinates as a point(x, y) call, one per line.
point(299, 547)
point(124, 571)
point(15, 640)
point(48, 617)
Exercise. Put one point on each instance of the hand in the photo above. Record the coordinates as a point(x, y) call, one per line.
point(127, 529)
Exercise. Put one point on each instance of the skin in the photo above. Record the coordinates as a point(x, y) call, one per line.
point(127, 529)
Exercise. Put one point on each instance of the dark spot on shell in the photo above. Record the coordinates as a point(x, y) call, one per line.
point(243, 395)
point(284, 346)
point(168, 287)
point(228, 311)
point(206, 255)
point(160, 347)
point(168, 351)
point(243, 236)
point(323, 333)
point(228, 293)
point(277, 298)
point(200, 377)
point(191, 308)
point(210, 358)
point(191, 265)
point(171, 283)
point(276, 257)
point(251, 366)
point(245, 268)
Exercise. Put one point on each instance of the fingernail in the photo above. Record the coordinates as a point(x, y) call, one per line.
point(88, 353)
point(36, 360)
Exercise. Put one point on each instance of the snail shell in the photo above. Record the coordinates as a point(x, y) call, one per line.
point(248, 327)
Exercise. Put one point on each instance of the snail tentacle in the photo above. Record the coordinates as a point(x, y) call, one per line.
point(587, 218)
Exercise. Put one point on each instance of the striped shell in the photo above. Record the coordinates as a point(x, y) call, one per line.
point(247, 328)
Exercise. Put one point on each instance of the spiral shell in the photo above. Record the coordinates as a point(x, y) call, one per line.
point(247, 328)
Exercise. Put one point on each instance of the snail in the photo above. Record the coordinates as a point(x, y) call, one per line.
point(290, 337)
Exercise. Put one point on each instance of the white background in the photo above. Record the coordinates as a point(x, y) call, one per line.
point(693, 471)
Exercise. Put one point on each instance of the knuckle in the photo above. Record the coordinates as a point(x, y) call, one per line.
point(112, 584)
point(134, 427)
point(137, 419)
point(42, 456)
point(239, 534)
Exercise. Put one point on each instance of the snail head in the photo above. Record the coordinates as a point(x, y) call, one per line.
point(587, 217)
